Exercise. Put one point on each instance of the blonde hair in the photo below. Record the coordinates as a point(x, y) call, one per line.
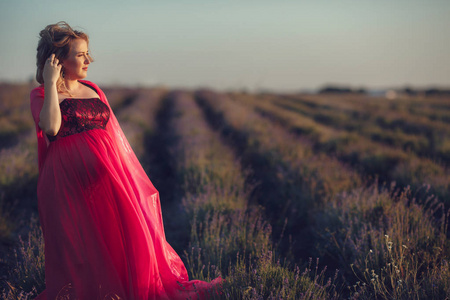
point(56, 38)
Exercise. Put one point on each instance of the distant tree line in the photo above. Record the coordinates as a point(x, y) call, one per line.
point(426, 92)
point(331, 89)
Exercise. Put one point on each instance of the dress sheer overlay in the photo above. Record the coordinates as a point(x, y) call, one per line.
point(100, 214)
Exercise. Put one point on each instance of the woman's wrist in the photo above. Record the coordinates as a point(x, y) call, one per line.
point(49, 83)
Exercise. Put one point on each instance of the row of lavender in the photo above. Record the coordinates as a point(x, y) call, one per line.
point(229, 235)
point(18, 179)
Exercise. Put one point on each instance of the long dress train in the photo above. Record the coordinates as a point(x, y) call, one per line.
point(100, 214)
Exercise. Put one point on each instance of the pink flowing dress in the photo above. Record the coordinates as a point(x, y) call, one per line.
point(100, 214)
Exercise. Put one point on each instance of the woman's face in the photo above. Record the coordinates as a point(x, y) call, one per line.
point(76, 64)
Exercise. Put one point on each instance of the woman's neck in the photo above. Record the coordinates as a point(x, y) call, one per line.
point(71, 85)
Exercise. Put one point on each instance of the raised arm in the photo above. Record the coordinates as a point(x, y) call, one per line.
point(50, 116)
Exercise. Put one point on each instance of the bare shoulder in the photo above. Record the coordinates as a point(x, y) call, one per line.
point(91, 86)
point(87, 91)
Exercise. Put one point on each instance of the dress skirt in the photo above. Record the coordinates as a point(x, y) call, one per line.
point(102, 225)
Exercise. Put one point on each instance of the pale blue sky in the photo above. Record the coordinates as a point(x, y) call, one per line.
point(280, 45)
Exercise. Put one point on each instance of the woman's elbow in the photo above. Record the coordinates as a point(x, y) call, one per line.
point(50, 130)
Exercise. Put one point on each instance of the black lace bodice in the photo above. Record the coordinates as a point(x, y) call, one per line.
point(78, 115)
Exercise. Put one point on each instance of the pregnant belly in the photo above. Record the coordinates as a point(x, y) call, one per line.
point(78, 160)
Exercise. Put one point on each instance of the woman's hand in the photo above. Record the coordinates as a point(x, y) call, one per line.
point(52, 69)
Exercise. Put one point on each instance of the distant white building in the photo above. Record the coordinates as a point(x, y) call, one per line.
point(391, 94)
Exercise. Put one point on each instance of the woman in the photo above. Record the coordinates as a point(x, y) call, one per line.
point(99, 212)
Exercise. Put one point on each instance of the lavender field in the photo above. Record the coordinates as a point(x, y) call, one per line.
point(286, 196)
